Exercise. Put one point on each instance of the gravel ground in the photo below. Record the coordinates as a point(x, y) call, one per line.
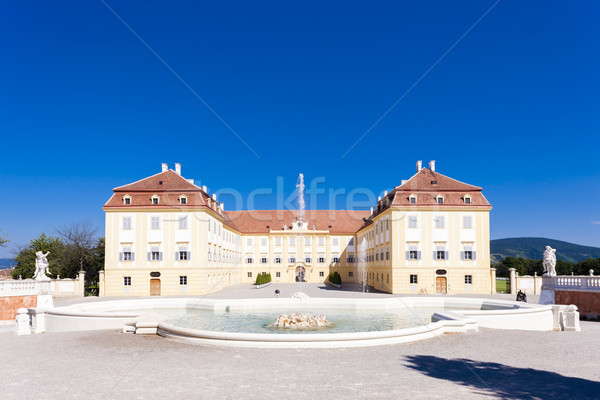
point(487, 364)
point(490, 364)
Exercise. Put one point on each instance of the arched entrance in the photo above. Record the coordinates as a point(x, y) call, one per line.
point(300, 273)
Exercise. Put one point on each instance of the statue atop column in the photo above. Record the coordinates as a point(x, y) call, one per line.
point(550, 261)
point(41, 267)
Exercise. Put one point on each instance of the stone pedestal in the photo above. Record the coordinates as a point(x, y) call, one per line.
point(513, 280)
point(493, 277)
point(44, 298)
point(22, 322)
point(571, 319)
point(548, 294)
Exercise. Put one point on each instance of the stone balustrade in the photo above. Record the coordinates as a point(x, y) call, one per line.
point(21, 287)
point(576, 283)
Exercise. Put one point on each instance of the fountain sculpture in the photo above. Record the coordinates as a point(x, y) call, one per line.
point(300, 321)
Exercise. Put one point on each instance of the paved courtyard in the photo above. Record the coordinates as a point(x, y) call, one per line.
point(489, 364)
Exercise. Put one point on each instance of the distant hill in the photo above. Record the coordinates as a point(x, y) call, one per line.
point(533, 248)
point(6, 263)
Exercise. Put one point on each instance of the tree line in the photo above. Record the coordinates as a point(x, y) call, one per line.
point(75, 248)
point(526, 266)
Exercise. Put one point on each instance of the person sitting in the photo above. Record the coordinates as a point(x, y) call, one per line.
point(521, 296)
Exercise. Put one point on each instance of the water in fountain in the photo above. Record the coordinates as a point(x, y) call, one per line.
point(362, 264)
point(301, 202)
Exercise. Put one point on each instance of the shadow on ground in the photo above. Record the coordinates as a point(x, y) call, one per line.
point(503, 381)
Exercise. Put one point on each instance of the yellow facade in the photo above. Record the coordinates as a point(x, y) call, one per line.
point(196, 249)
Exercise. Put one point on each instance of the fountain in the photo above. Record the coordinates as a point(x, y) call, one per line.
point(300, 321)
point(362, 264)
point(300, 186)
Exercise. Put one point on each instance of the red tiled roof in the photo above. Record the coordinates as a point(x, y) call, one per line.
point(426, 185)
point(263, 221)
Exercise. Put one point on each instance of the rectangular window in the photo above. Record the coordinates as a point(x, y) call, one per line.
point(277, 274)
point(182, 254)
point(350, 274)
point(183, 200)
point(440, 255)
point(468, 279)
point(413, 200)
point(249, 242)
point(155, 200)
point(350, 259)
point(263, 241)
point(321, 274)
point(249, 260)
point(292, 241)
point(292, 260)
point(439, 222)
point(263, 260)
point(183, 280)
point(155, 223)
point(387, 254)
point(249, 274)
point(412, 221)
point(413, 279)
point(127, 200)
point(307, 241)
point(467, 200)
point(277, 260)
point(321, 241)
point(154, 253)
point(388, 278)
point(126, 222)
point(412, 255)
point(467, 222)
point(335, 260)
point(183, 222)
point(336, 241)
point(321, 260)
point(126, 281)
point(308, 260)
point(278, 241)
point(468, 255)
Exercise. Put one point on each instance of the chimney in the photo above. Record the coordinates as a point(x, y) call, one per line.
point(178, 168)
point(215, 196)
point(165, 167)
point(432, 165)
point(378, 198)
point(205, 189)
point(371, 210)
point(419, 165)
point(222, 206)
point(385, 193)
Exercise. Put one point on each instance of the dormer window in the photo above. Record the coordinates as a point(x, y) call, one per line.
point(412, 199)
point(467, 199)
point(154, 199)
point(183, 199)
point(439, 199)
point(127, 199)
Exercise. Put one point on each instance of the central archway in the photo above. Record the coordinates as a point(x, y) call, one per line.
point(300, 273)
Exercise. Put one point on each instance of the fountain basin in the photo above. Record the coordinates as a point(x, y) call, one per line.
point(447, 314)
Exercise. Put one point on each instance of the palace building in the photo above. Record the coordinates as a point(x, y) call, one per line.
point(167, 236)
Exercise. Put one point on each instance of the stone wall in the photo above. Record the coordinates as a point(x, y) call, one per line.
point(588, 303)
point(10, 305)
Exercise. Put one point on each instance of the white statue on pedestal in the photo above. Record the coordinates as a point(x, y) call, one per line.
point(41, 267)
point(549, 261)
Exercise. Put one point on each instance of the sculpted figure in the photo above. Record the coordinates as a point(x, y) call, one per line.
point(41, 267)
point(550, 261)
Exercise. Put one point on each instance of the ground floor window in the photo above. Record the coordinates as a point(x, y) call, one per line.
point(321, 260)
point(263, 260)
point(350, 274)
point(183, 280)
point(468, 279)
point(127, 281)
point(249, 260)
point(308, 260)
point(321, 274)
point(277, 260)
point(413, 279)
point(292, 260)
point(277, 274)
point(249, 274)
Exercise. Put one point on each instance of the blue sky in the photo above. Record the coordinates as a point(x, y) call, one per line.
point(85, 106)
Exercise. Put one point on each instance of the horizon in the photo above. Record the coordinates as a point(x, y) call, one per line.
point(246, 96)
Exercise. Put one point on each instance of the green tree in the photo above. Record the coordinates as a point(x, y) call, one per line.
point(3, 240)
point(25, 257)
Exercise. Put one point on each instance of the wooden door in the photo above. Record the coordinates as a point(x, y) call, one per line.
point(440, 284)
point(154, 287)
